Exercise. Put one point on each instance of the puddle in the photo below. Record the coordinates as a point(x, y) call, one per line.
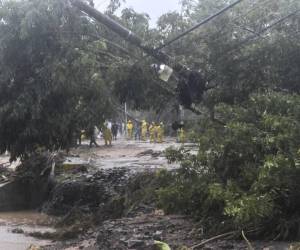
point(28, 221)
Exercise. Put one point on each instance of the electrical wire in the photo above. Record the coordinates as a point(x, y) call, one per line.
point(206, 20)
point(234, 21)
point(272, 25)
point(257, 6)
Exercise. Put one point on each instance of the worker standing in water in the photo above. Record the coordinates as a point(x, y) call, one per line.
point(144, 130)
point(129, 129)
point(152, 132)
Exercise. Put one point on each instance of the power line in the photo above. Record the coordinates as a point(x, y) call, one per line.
point(254, 33)
point(257, 6)
point(272, 25)
point(206, 20)
point(257, 34)
point(221, 33)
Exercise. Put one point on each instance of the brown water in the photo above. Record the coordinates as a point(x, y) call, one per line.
point(28, 221)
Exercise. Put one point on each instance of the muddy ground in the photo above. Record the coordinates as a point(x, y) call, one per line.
point(103, 199)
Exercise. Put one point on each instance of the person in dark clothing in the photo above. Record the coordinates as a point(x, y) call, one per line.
point(114, 130)
point(137, 131)
point(93, 133)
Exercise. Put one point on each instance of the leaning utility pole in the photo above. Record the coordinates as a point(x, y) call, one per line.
point(134, 39)
point(191, 84)
point(127, 34)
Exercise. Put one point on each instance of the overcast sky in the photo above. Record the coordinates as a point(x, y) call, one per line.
point(154, 8)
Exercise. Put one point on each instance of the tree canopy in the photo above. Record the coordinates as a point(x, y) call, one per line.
point(51, 79)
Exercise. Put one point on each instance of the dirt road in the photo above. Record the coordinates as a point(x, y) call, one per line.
point(135, 155)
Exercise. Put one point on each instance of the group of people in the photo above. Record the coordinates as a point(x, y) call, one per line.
point(154, 132)
point(143, 130)
point(109, 132)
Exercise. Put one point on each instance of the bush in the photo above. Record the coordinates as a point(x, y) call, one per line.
point(246, 173)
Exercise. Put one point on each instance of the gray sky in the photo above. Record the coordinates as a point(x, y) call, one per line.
point(154, 8)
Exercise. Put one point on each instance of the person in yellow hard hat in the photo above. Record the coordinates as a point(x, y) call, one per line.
point(160, 132)
point(129, 129)
point(152, 132)
point(107, 134)
point(144, 130)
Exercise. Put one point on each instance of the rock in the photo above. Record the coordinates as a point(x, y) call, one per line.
point(150, 152)
point(157, 235)
point(32, 247)
point(135, 243)
point(99, 193)
point(159, 212)
point(74, 168)
point(17, 231)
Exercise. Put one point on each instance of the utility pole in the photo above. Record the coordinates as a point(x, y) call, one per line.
point(184, 73)
point(127, 35)
point(134, 39)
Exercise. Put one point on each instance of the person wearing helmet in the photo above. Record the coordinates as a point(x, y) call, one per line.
point(129, 129)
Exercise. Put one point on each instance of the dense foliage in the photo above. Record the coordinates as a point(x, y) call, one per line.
point(50, 80)
point(246, 172)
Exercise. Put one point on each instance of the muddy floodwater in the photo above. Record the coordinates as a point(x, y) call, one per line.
point(27, 221)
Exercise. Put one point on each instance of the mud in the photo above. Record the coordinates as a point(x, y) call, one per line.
point(135, 156)
point(140, 231)
point(15, 227)
point(87, 192)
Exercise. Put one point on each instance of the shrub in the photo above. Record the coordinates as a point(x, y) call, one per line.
point(246, 172)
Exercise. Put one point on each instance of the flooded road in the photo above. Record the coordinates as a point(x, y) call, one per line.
point(26, 221)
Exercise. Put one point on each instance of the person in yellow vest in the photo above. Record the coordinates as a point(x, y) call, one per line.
point(156, 132)
point(160, 133)
point(129, 129)
point(107, 135)
point(144, 130)
point(181, 135)
point(152, 132)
